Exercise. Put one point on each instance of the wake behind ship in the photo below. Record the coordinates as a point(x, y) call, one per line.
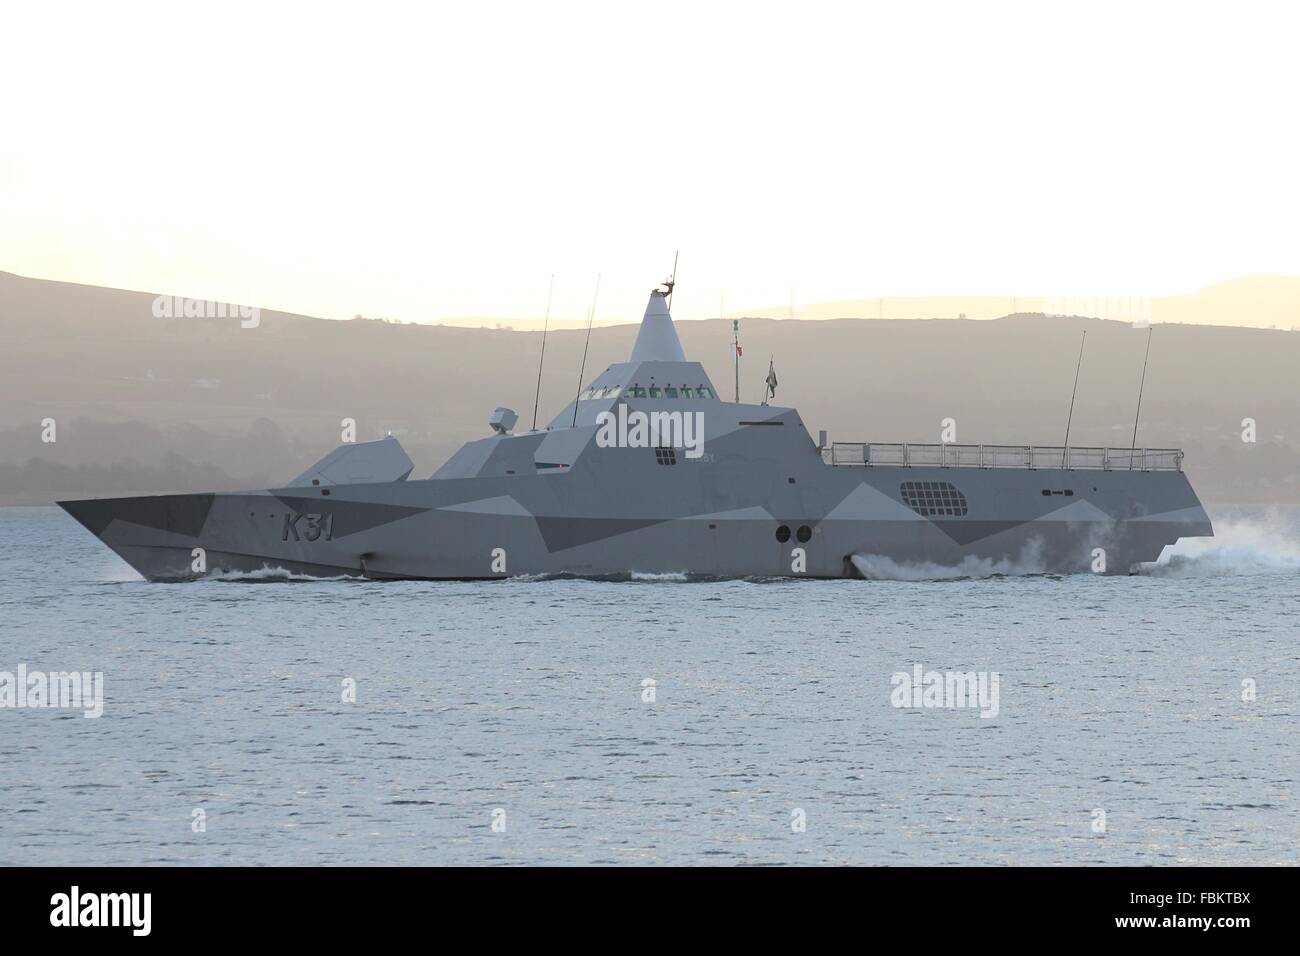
point(649, 470)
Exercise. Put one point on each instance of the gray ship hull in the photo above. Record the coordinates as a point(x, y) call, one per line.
point(752, 495)
point(721, 518)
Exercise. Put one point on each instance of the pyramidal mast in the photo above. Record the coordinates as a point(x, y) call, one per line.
point(656, 340)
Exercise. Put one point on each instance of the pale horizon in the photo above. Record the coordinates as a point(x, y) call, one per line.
point(1256, 301)
point(434, 165)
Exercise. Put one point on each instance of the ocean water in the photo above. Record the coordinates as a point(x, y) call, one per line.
point(771, 738)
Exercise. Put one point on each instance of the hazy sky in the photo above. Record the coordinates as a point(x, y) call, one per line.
point(429, 161)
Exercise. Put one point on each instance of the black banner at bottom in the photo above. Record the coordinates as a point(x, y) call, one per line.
point(333, 906)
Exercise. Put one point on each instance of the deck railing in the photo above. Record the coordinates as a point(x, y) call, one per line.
point(946, 455)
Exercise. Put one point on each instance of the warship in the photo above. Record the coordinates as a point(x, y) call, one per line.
point(650, 470)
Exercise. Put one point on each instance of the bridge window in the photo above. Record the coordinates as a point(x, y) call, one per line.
point(670, 392)
point(656, 392)
point(934, 498)
point(705, 392)
point(688, 392)
point(637, 392)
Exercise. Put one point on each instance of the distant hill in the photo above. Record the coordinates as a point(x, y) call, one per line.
point(149, 405)
point(1257, 301)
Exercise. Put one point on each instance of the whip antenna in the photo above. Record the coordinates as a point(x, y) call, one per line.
point(1133, 447)
point(672, 281)
point(1065, 451)
point(545, 325)
point(591, 317)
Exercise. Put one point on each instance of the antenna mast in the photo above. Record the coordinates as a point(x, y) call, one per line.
point(1133, 447)
point(672, 281)
point(545, 325)
point(1065, 451)
point(591, 317)
point(735, 353)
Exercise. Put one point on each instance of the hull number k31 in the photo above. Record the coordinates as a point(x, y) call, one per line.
point(307, 527)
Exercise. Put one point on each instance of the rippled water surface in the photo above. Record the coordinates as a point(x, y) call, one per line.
point(1121, 694)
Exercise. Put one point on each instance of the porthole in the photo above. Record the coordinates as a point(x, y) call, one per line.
point(804, 533)
point(783, 534)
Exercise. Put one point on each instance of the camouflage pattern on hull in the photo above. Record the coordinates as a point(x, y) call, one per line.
point(753, 496)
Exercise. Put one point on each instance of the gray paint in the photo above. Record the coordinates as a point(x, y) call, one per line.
point(556, 502)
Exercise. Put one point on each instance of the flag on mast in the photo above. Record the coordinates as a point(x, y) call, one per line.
point(771, 378)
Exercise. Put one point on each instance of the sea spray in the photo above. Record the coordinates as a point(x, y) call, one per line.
point(878, 567)
point(1266, 544)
